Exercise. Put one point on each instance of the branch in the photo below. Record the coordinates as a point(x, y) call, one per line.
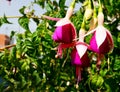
point(21, 16)
point(7, 47)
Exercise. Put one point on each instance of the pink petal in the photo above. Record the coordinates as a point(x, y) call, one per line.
point(57, 35)
point(74, 34)
point(100, 35)
point(83, 43)
point(105, 47)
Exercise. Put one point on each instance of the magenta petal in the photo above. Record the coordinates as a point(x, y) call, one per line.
point(76, 60)
point(93, 44)
point(64, 34)
point(57, 35)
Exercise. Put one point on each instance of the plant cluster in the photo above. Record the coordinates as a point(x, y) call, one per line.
point(87, 43)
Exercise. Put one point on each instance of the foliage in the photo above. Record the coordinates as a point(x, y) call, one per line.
point(31, 66)
point(4, 20)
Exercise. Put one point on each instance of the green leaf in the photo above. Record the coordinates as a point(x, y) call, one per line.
point(24, 22)
point(12, 34)
point(37, 77)
point(22, 10)
point(117, 64)
point(23, 81)
point(96, 81)
point(62, 4)
point(49, 7)
point(36, 20)
point(4, 20)
point(12, 55)
point(40, 2)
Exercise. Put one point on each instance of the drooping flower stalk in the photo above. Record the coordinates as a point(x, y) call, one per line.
point(70, 10)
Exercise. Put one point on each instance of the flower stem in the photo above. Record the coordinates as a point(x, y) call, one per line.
point(70, 10)
point(100, 6)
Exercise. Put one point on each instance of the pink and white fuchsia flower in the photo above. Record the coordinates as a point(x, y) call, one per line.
point(80, 59)
point(65, 31)
point(101, 41)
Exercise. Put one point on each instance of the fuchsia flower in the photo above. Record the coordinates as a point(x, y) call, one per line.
point(80, 59)
point(65, 31)
point(101, 41)
point(79, 55)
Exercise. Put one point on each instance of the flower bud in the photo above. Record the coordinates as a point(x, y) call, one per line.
point(88, 13)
